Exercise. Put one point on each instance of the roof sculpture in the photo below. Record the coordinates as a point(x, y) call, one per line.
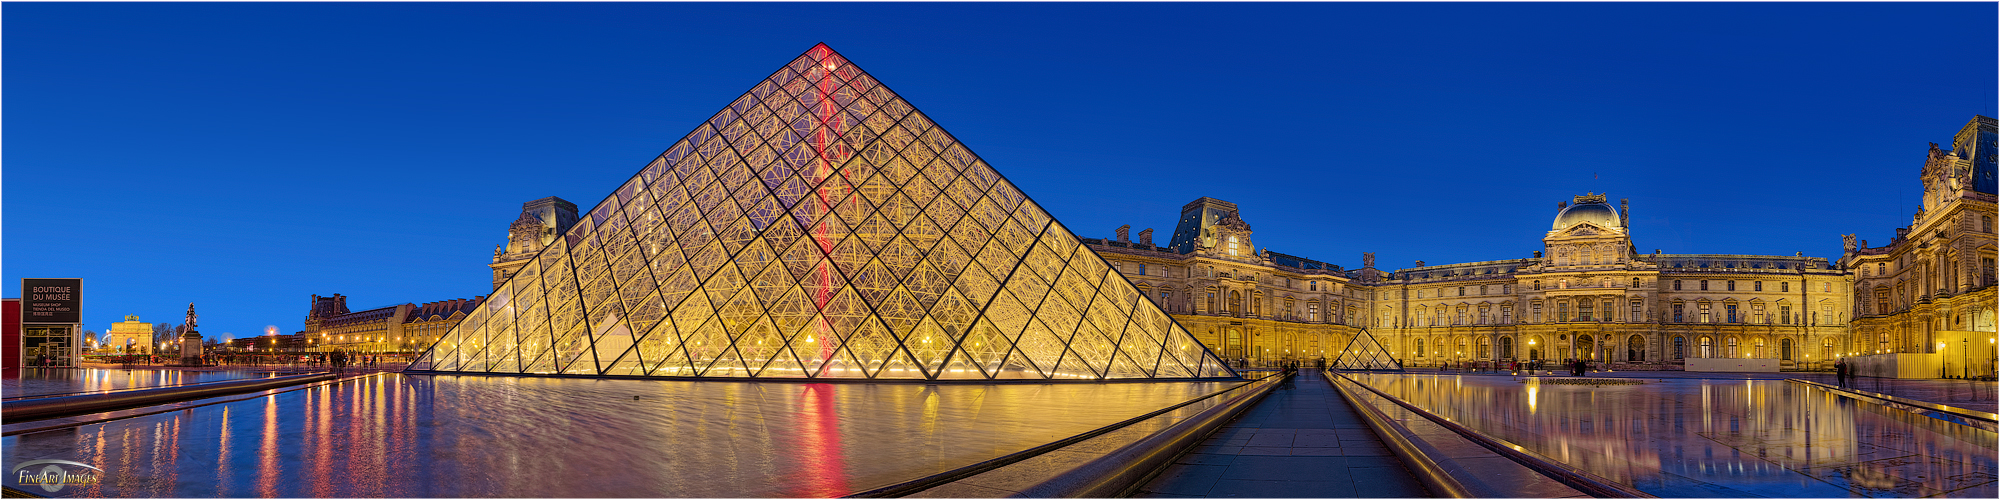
point(820, 227)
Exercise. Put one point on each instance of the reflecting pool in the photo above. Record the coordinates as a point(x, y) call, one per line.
point(1717, 438)
point(56, 381)
point(394, 435)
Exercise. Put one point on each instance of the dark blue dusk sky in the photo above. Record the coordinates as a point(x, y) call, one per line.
point(245, 156)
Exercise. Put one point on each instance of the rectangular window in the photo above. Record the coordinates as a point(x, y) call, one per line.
point(1731, 285)
point(1535, 312)
point(1637, 312)
point(1704, 313)
point(1142, 269)
point(1730, 312)
point(1583, 310)
point(1704, 285)
point(1678, 312)
point(1785, 314)
point(1757, 286)
point(1562, 311)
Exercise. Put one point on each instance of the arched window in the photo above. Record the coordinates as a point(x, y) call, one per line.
point(1485, 348)
point(1417, 348)
point(1785, 349)
point(1635, 348)
point(1757, 348)
point(1461, 348)
point(1680, 348)
point(1826, 348)
point(1733, 353)
point(1704, 347)
point(1232, 344)
point(1506, 347)
point(1235, 304)
point(1538, 284)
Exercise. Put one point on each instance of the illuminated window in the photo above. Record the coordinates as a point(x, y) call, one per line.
point(1232, 245)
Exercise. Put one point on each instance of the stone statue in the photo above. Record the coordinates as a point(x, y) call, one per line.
point(1847, 242)
point(1367, 260)
point(190, 316)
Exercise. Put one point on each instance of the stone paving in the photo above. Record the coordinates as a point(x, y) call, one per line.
point(1302, 441)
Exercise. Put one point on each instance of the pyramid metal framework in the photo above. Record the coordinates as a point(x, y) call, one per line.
point(1363, 352)
point(820, 227)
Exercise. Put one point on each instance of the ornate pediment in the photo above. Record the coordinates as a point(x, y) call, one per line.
point(1583, 230)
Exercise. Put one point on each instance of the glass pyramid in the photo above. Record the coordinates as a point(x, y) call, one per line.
point(820, 227)
point(1364, 353)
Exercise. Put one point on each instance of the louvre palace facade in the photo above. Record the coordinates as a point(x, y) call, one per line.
point(1590, 293)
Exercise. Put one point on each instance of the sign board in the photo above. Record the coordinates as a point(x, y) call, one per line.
point(51, 300)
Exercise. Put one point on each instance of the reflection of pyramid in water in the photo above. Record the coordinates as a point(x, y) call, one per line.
point(820, 227)
point(1364, 353)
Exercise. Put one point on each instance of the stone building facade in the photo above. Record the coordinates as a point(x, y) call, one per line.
point(539, 224)
point(400, 328)
point(128, 337)
point(1589, 293)
point(1932, 284)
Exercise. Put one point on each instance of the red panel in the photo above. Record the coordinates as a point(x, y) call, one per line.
point(10, 333)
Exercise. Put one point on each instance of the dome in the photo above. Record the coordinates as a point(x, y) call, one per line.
point(1594, 212)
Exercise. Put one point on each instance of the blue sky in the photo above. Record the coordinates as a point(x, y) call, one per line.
point(245, 156)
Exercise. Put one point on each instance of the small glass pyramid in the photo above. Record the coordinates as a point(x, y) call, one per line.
point(820, 227)
point(1364, 353)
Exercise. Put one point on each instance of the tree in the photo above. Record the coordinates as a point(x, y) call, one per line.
point(165, 332)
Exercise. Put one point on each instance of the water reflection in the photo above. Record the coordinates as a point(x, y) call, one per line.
point(1712, 438)
point(24, 382)
point(448, 436)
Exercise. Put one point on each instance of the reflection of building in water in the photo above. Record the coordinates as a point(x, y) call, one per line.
point(1733, 436)
point(1589, 292)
